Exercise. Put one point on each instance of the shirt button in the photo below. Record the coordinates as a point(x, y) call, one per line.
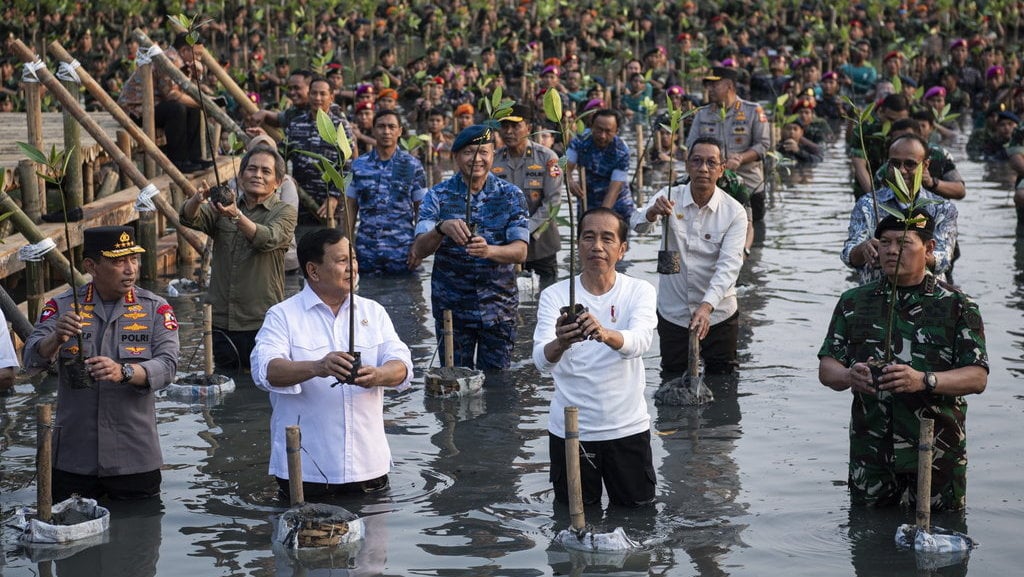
point(707, 236)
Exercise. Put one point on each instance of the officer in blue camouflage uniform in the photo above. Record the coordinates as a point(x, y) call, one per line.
point(534, 169)
point(106, 442)
point(604, 157)
point(743, 130)
point(302, 134)
point(860, 251)
point(387, 188)
point(938, 351)
point(474, 270)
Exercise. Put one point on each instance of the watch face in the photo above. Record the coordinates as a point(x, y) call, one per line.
point(931, 380)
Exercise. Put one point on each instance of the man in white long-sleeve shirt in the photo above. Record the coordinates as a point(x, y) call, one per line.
point(596, 362)
point(300, 357)
point(708, 228)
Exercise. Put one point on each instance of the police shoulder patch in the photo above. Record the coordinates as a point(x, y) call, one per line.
point(170, 321)
point(49, 309)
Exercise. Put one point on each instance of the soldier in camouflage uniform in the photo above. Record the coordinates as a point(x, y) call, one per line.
point(474, 274)
point(938, 349)
point(387, 187)
point(604, 157)
point(302, 134)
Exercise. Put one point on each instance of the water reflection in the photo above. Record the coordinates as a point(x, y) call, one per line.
point(132, 549)
point(871, 535)
point(700, 480)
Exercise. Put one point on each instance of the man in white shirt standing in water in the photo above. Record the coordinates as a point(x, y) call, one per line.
point(597, 364)
point(708, 228)
point(300, 357)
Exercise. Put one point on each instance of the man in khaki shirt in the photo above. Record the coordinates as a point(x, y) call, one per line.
point(250, 239)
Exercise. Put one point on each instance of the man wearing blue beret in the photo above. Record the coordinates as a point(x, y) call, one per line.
point(477, 224)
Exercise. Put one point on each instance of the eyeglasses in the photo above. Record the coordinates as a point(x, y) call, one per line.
point(697, 162)
point(903, 164)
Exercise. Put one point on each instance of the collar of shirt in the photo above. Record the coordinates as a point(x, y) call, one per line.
point(713, 202)
point(310, 301)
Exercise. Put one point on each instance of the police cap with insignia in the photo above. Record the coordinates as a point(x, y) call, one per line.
point(921, 223)
point(722, 73)
point(519, 113)
point(110, 241)
point(473, 135)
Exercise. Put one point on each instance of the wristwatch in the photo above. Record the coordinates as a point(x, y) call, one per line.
point(437, 228)
point(930, 380)
point(127, 372)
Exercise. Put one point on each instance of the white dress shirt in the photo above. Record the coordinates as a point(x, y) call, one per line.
point(8, 356)
point(710, 241)
point(343, 426)
point(606, 385)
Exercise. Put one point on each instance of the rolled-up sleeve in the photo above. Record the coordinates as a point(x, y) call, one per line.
point(272, 342)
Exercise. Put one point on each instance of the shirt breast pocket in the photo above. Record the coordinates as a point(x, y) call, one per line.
point(309, 352)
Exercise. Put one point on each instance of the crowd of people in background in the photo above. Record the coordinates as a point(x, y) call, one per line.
point(766, 85)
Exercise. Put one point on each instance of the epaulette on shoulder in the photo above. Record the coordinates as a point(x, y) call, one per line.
point(948, 286)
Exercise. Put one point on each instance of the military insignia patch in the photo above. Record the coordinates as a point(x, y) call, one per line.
point(533, 167)
point(554, 171)
point(134, 351)
point(498, 169)
point(170, 322)
point(973, 320)
point(136, 327)
point(49, 309)
point(134, 316)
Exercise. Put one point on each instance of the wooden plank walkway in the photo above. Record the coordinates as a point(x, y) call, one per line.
point(13, 129)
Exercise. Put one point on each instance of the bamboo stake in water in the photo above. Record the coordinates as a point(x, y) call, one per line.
point(449, 340)
point(208, 338)
point(293, 443)
point(572, 468)
point(44, 439)
point(925, 444)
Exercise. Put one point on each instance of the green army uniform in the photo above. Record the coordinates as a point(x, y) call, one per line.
point(944, 330)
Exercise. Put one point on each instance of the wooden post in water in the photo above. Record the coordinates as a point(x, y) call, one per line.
point(44, 440)
point(208, 338)
point(29, 189)
point(449, 340)
point(19, 322)
point(293, 443)
point(640, 154)
point(73, 186)
point(572, 468)
point(148, 240)
point(925, 444)
point(34, 117)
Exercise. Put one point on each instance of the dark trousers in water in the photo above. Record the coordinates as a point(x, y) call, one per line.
point(491, 346)
point(231, 349)
point(118, 487)
point(321, 490)
point(718, 349)
point(625, 466)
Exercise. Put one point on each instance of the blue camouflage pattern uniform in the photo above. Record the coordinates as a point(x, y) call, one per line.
point(603, 166)
point(387, 192)
point(936, 328)
point(862, 227)
point(482, 294)
point(302, 134)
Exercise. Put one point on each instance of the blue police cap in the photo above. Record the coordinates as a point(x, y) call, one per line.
point(476, 134)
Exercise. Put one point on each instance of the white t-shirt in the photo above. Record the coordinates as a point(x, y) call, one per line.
point(8, 356)
point(606, 385)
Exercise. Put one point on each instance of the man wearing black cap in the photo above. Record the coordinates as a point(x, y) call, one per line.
point(175, 112)
point(477, 225)
point(106, 427)
point(936, 355)
point(534, 169)
point(742, 129)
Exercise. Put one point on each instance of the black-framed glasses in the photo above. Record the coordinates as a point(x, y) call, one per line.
point(697, 162)
point(904, 164)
